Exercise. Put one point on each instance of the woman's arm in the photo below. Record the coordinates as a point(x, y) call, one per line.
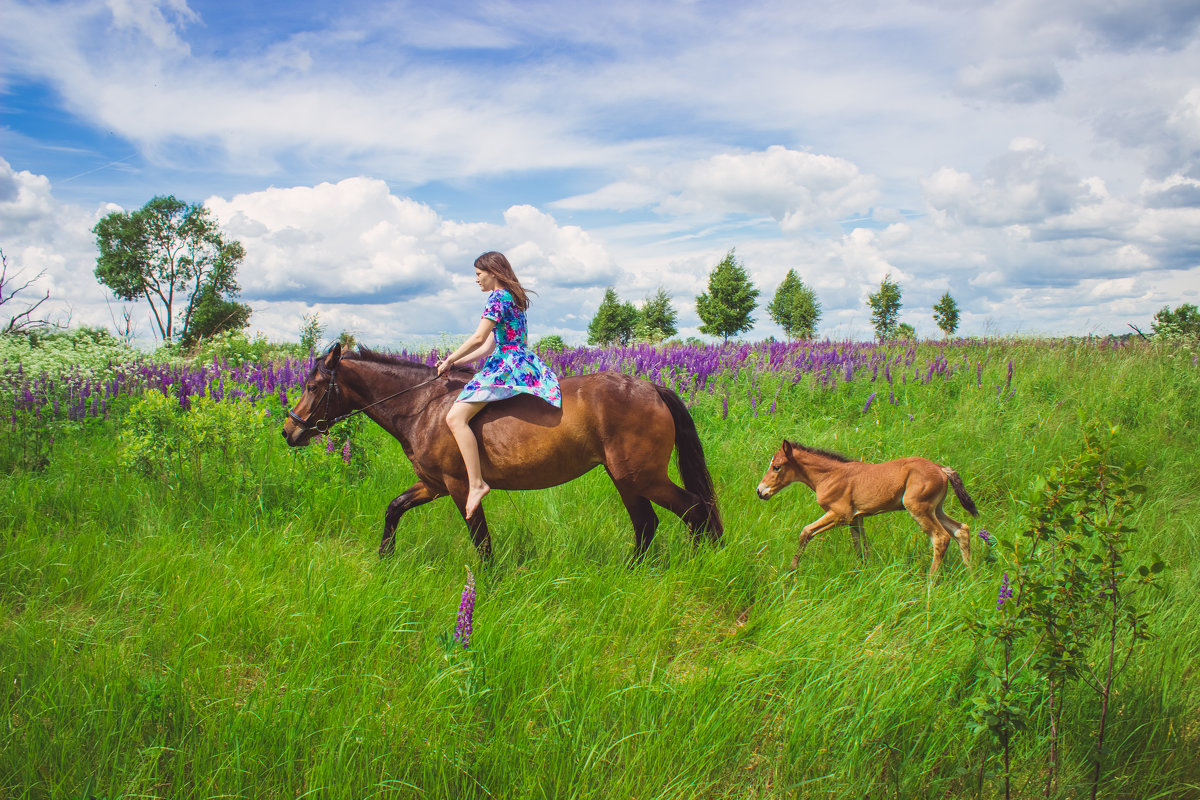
point(478, 344)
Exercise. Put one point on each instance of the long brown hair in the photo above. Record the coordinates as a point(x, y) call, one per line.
point(496, 264)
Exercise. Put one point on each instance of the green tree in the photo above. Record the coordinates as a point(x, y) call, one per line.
point(725, 308)
point(213, 314)
point(906, 332)
point(173, 256)
point(945, 314)
point(657, 318)
point(614, 322)
point(885, 308)
point(1182, 323)
point(795, 308)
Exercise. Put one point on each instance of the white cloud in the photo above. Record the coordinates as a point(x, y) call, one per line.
point(795, 188)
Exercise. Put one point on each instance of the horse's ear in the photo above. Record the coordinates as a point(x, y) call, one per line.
point(333, 356)
point(788, 446)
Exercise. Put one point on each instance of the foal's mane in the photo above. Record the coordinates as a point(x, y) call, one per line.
point(816, 451)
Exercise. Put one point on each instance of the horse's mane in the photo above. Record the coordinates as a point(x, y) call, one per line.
point(363, 353)
point(366, 354)
point(826, 453)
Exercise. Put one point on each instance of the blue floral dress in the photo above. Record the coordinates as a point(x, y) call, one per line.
point(512, 368)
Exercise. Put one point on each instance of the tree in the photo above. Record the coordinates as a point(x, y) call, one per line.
point(657, 318)
point(213, 314)
point(795, 308)
point(614, 321)
point(22, 320)
point(885, 308)
point(173, 256)
point(906, 332)
point(725, 308)
point(1182, 323)
point(945, 314)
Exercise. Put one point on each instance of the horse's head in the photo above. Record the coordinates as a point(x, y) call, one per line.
point(320, 404)
point(780, 472)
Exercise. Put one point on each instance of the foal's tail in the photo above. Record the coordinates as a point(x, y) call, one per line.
point(692, 466)
point(960, 492)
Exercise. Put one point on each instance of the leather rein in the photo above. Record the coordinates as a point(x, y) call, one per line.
point(333, 389)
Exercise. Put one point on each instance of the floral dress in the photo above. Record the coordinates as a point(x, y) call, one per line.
point(512, 368)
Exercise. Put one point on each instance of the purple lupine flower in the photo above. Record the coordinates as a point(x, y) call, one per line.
point(330, 447)
point(724, 406)
point(466, 611)
point(986, 537)
point(346, 452)
point(870, 400)
point(1005, 592)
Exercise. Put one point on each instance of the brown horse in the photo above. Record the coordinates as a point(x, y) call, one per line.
point(850, 490)
point(629, 426)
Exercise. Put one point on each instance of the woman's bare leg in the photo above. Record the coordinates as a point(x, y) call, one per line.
point(459, 420)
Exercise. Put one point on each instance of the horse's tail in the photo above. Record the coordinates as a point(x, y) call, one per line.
point(692, 466)
point(960, 492)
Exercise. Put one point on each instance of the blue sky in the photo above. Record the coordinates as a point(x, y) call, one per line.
point(1041, 162)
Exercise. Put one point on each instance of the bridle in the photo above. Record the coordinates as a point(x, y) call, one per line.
point(332, 390)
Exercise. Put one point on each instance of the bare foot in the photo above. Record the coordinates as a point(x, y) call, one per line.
point(475, 498)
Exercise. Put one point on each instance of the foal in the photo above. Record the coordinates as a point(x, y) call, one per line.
point(850, 490)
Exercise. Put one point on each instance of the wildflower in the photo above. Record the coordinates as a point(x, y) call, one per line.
point(1005, 592)
point(724, 406)
point(986, 537)
point(330, 445)
point(466, 611)
point(868, 403)
point(346, 452)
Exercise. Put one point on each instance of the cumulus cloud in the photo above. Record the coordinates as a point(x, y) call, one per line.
point(795, 188)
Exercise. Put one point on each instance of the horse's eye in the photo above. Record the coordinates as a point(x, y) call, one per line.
point(776, 467)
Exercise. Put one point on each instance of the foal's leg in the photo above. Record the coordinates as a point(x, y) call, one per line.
point(859, 535)
point(961, 532)
point(418, 494)
point(829, 519)
point(939, 538)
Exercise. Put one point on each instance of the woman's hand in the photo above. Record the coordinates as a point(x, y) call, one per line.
point(444, 366)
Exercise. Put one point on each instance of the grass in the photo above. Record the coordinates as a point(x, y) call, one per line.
point(229, 631)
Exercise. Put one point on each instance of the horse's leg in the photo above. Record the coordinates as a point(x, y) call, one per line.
point(418, 494)
point(829, 519)
point(645, 523)
point(859, 535)
point(476, 523)
point(683, 504)
point(961, 532)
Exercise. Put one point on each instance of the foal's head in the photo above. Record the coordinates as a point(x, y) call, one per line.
point(780, 472)
point(321, 402)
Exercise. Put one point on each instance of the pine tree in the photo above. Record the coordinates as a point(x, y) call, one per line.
point(725, 308)
point(657, 319)
point(795, 308)
point(614, 321)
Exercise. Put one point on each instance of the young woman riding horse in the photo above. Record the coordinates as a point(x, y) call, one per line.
point(627, 425)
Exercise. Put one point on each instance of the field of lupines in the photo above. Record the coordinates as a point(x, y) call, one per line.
point(190, 609)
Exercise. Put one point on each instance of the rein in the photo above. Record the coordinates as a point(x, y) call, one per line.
point(334, 389)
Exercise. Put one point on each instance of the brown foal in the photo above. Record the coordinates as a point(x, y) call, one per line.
point(849, 491)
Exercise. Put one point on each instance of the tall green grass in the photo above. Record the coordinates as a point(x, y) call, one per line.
point(229, 631)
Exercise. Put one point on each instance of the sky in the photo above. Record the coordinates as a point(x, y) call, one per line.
point(1038, 161)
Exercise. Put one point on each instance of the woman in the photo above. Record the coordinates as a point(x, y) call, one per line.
point(511, 367)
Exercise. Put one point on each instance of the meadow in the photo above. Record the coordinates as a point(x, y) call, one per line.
point(188, 608)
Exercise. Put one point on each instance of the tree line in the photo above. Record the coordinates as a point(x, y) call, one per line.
point(173, 255)
point(725, 310)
